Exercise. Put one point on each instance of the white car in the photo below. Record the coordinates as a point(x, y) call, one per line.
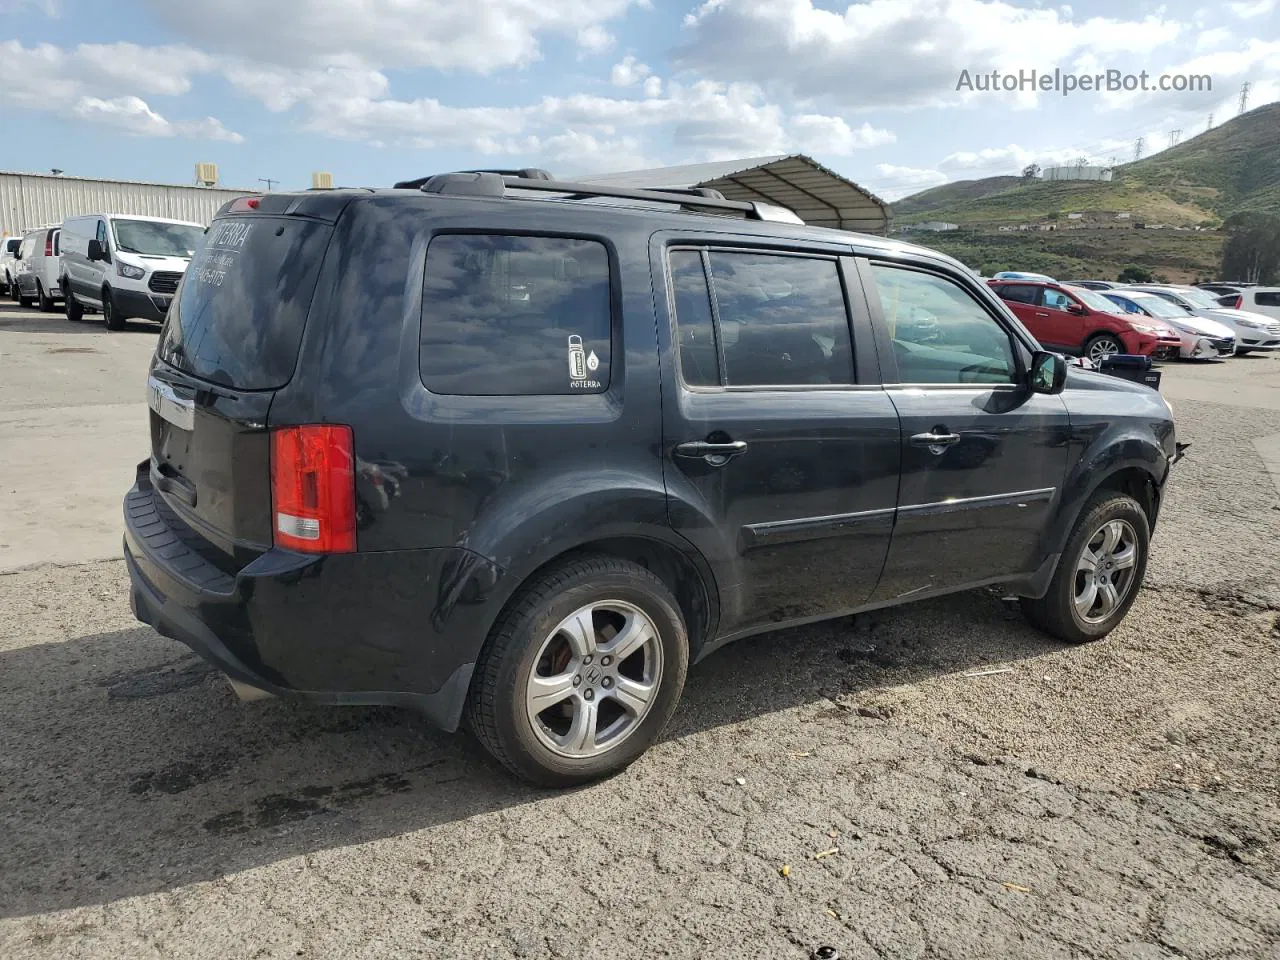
point(126, 266)
point(1253, 331)
point(35, 276)
point(1202, 339)
point(8, 263)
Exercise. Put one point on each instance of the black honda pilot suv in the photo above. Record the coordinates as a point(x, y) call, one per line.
point(517, 451)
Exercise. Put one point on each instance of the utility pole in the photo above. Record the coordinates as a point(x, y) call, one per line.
point(1244, 97)
point(269, 182)
point(1174, 137)
point(1209, 126)
point(1137, 148)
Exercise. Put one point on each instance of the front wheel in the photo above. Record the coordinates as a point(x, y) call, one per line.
point(109, 312)
point(45, 301)
point(1099, 574)
point(74, 309)
point(581, 673)
point(1102, 346)
point(1242, 353)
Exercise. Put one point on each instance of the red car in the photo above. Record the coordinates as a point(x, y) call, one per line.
point(1082, 321)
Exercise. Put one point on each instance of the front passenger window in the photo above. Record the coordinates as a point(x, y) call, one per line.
point(1057, 300)
point(941, 334)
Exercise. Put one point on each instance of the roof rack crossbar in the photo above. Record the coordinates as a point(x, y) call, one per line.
point(682, 197)
point(529, 173)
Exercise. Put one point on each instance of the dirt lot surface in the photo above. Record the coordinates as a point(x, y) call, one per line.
point(852, 784)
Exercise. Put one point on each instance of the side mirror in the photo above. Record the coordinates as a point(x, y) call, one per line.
point(95, 250)
point(1076, 308)
point(1048, 372)
point(17, 254)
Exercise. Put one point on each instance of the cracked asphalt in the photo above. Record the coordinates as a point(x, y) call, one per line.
point(855, 784)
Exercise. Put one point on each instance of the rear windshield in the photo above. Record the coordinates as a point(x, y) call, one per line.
point(240, 311)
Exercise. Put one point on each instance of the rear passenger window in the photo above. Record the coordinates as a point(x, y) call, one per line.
point(1020, 294)
point(781, 320)
point(1267, 298)
point(511, 316)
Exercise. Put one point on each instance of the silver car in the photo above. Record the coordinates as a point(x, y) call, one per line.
point(1254, 331)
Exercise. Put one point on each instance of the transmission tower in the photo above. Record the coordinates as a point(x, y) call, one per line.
point(1244, 97)
point(1174, 137)
point(1137, 147)
point(1209, 125)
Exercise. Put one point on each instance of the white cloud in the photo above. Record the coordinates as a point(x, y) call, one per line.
point(281, 88)
point(628, 72)
point(652, 87)
point(896, 52)
point(1213, 38)
point(1252, 8)
point(815, 133)
point(133, 115)
point(473, 36)
point(894, 182)
point(101, 83)
point(595, 39)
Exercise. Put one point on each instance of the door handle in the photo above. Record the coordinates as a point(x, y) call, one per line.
point(1042, 313)
point(715, 454)
point(936, 442)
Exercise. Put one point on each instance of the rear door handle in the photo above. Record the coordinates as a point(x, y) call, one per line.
point(1041, 313)
point(715, 454)
point(932, 440)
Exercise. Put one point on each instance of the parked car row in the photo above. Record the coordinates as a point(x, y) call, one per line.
point(124, 266)
point(1097, 318)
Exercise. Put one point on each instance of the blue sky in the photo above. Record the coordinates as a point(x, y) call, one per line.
point(379, 90)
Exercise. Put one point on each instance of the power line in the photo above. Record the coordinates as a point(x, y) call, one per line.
point(1244, 96)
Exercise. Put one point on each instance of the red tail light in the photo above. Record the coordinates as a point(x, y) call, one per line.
point(1239, 302)
point(313, 488)
point(48, 244)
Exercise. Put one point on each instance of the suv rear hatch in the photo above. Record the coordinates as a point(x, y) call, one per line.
point(230, 342)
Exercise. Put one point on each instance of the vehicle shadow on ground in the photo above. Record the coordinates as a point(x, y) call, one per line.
point(16, 319)
point(130, 768)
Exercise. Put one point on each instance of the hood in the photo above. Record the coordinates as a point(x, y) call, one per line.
point(152, 263)
point(1226, 315)
point(1204, 326)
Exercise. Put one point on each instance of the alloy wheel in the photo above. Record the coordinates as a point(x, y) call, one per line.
point(1102, 348)
point(595, 679)
point(1105, 571)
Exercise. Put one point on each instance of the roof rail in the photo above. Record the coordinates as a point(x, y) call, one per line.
point(484, 183)
point(529, 173)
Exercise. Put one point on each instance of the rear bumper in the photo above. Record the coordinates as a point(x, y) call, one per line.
point(399, 628)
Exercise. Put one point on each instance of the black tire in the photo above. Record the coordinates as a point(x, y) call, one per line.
point(1242, 353)
point(73, 308)
point(1100, 341)
point(109, 312)
point(496, 701)
point(43, 299)
point(23, 301)
point(1056, 612)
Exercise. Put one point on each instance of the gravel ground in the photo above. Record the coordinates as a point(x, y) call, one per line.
point(849, 784)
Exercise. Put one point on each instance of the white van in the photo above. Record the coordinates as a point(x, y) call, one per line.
point(9, 263)
point(126, 266)
point(36, 268)
point(1264, 300)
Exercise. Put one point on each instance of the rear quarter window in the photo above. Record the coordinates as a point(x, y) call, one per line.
point(1267, 298)
point(515, 316)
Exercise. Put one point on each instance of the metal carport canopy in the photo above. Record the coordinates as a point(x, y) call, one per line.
point(817, 195)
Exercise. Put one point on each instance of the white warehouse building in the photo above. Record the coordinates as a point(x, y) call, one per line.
point(1078, 172)
point(34, 199)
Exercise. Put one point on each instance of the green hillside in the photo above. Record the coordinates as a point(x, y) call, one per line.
point(1235, 166)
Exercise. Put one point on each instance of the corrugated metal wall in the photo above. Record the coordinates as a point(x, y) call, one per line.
point(31, 200)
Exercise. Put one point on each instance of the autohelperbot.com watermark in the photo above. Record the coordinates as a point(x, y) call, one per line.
point(1065, 83)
